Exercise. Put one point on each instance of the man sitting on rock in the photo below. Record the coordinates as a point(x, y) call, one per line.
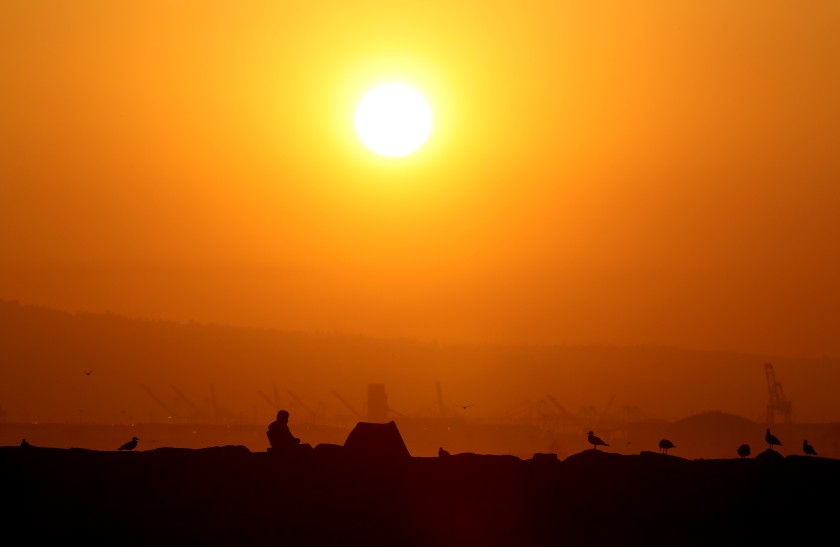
point(279, 436)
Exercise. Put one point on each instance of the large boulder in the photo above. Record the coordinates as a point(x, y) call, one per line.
point(381, 441)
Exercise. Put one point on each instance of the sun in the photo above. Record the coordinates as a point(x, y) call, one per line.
point(393, 120)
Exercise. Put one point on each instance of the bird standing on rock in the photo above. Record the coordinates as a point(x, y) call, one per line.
point(595, 441)
point(771, 439)
point(808, 449)
point(442, 453)
point(130, 445)
point(744, 450)
point(665, 444)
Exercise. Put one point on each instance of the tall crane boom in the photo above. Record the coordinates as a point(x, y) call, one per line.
point(350, 407)
point(442, 408)
point(563, 412)
point(777, 402)
point(184, 398)
point(303, 405)
point(271, 403)
point(169, 411)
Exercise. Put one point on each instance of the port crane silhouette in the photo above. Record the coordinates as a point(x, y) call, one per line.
point(777, 403)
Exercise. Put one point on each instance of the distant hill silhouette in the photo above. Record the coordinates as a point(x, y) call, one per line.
point(47, 353)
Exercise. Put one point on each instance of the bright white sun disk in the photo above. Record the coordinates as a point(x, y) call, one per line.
point(393, 120)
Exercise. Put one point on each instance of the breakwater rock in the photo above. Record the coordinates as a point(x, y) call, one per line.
point(228, 495)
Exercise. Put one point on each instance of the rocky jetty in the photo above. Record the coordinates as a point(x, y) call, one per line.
point(329, 495)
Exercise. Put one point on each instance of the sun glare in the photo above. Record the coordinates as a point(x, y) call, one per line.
point(393, 120)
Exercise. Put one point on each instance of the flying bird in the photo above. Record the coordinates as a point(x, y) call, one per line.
point(595, 441)
point(665, 444)
point(808, 449)
point(443, 453)
point(130, 445)
point(744, 450)
point(464, 406)
point(88, 372)
point(771, 439)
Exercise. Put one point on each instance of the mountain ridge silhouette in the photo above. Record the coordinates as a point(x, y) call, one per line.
point(127, 353)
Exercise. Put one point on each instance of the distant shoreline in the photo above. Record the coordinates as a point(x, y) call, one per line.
point(709, 436)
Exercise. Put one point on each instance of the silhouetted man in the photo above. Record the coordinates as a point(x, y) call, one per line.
point(279, 436)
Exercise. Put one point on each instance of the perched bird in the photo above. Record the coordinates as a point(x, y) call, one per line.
point(88, 372)
point(744, 450)
point(665, 444)
point(808, 449)
point(24, 443)
point(771, 439)
point(443, 453)
point(130, 445)
point(595, 441)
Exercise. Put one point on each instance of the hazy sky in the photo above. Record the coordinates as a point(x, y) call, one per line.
point(608, 172)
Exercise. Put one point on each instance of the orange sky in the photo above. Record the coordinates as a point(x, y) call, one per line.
point(606, 172)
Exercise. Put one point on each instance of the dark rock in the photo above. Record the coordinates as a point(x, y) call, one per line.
point(228, 495)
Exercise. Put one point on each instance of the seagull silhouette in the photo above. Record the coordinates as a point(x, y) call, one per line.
point(130, 445)
point(595, 441)
point(771, 439)
point(465, 406)
point(88, 372)
point(808, 449)
point(744, 450)
point(24, 444)
point(665, 444)
point(443, 453)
